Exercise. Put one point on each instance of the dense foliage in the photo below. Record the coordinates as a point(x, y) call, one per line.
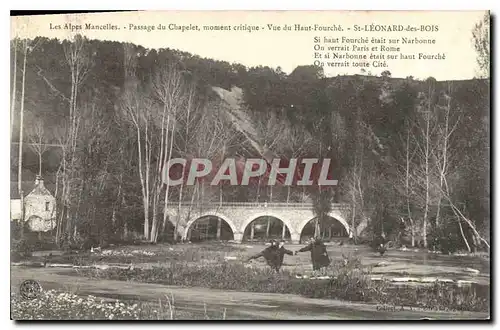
point(404, 150)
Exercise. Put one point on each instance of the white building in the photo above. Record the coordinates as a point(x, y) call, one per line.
point(39, 206)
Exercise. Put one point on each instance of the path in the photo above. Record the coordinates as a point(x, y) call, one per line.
point(238, 305)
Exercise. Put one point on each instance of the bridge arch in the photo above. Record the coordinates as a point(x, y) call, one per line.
point(210, 214)
point(334, 215)
point(270, 213)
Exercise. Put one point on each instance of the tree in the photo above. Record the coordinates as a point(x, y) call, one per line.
point(481, 39)
point(21, 121)
point(442, 160)
point(38, 145)
point(26, 49)
point(322, 205)
point(136, 107)
point(14, 85)
point(77, 58)
point(307, 72)
point(386, 74)
point(174, 96)
point(426, 134)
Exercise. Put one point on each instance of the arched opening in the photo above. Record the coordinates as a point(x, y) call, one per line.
point(265, 228)
point(209, 228)
point(328, 229)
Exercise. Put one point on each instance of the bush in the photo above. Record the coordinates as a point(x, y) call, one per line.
point(445, 238)
point(20, 249)
point(15, 230)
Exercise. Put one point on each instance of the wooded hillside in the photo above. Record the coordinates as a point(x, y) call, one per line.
point(404, 150)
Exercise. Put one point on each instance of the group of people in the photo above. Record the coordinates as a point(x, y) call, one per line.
point(275, 254)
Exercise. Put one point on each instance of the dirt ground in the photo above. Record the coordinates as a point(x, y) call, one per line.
point(238, 305)
point(247, 305)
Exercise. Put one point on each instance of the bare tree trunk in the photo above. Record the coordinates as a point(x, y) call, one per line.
point(427, 171)
point(189, 234)
point(443, 164)
point(125, 231)
point(460, 214)
point(179, 205)
point(118, 200)
point(157, 180)
point(21, 195)
point(167, 189)
point(131, 102)
point(258, 191)
point(14, 85)
point(252, 230)
point(407, 186)
point(353, 223)
point(154, 220)
point(145, 193)
point(59, 223)
point(463, 235)
point(21, 124)
point(268, 227)
point(176, 226)
point(40, 164)
point(206, 229)
point(357, 172)
point(219, 228)
point(77, 60)
point(283, 230)
point(412, 232)
point(54, 210)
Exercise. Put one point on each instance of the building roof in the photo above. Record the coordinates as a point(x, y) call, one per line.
point(29, 187)
point(40, 190)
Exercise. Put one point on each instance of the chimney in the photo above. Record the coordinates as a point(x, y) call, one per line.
point(38, 180)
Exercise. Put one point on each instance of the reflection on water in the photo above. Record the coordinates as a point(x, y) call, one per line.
point(418, 263)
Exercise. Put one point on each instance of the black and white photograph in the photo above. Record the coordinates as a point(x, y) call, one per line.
point(250, 165)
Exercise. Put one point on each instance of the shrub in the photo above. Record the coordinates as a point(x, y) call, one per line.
point(21, 248)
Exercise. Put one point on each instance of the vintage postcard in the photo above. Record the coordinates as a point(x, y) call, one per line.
point(278, 165)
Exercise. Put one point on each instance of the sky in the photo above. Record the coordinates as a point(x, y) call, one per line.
point(287, 49)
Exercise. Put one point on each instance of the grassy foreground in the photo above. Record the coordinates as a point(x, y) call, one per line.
point(350, 283)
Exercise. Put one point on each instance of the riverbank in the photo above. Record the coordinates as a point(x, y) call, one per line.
point(234, 305)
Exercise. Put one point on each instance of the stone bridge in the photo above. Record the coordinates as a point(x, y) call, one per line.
point(239, 215)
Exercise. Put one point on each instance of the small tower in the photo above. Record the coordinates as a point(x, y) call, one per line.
point(39, 188)
point(39, 206)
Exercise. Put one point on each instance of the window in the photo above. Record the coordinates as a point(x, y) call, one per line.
point(47, 204)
